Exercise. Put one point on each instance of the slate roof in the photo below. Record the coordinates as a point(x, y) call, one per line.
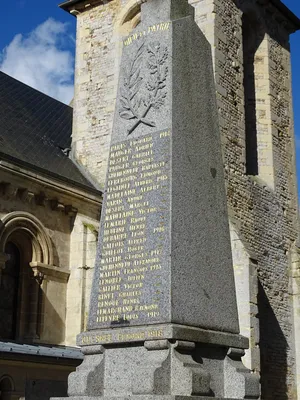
point(34, 131)
point(36, 350)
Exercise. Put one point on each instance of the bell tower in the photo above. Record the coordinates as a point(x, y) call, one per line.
point(252, 70)
point(100, 25)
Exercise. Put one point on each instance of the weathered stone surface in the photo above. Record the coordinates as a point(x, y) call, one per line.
point(158, 332)
point(164, 251)
point(253, 206)
point(163, 318)
point(163, 368)
point(144, 397)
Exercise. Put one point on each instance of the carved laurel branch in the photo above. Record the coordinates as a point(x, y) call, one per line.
point(135, 105)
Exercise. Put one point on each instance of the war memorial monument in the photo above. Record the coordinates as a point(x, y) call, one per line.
point(163, 318)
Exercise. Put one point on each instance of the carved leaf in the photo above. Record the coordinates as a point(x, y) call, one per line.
point(136, 87)
point(121, 110)
point(163, 57)
point(150, 49)
point(151, 61)
point(126, 115)
point(124, 103)
point(137, 60)
point(160, 100)
point(129, 105)
point(140, 102)
point(164, 73)
point(140, 49)
point(149, 99)
point(124, 93)
point(135, 103)
point(134, 80)
point(157, 47)
point(136, 67)
point(158, 104)
point(151, 84)
point(155, 86)
point(153, 67)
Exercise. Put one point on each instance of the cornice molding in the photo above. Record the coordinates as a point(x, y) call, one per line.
point(76, 7)
point(285, 11)
point(43, 270)
point(62, 195)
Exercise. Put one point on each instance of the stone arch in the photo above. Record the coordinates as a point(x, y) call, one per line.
point(129, 17)
point(42, 249)
point(7, 386)
point(35, 254)
point(7, 382)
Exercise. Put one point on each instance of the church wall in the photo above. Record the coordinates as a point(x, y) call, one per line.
point(262, 205)
point(95, 87)
point(27, 378)
point(53, 310)
point(40, 201)
point(82, 262)
point(49, 314)
point(246, 284)
point(295, 290)
point(53, 288)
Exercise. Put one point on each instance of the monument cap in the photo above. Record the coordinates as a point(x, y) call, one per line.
point(167, 10)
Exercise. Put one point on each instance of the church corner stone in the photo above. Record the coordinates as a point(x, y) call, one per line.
point(163, 318)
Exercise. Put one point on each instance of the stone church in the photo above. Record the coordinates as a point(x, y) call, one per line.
point(53, 162)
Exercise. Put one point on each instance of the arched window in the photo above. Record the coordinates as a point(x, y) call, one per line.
point(129, 18)
point(9, 293)
point(6, 388)
point(249, 49)
point(24, 244)
point(132, 20)
point(257, 81)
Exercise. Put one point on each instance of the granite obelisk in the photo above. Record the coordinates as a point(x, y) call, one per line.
point(163, 318)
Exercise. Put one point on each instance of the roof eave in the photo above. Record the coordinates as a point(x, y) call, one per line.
point(60, 178)
point(291, 17)
point(72, 6)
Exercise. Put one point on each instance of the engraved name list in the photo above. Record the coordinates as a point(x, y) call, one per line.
point(135, 250)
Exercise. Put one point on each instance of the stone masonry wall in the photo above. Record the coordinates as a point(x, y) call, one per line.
point(263, 206)
point(265, 215)
point(95, 87)
point(57, 226)
point(69, 218)
point(82, 261)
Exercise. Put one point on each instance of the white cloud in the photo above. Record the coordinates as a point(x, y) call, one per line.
point(41, 60)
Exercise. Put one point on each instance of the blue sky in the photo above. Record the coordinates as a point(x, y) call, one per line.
point(37, 45)
point(294, 5)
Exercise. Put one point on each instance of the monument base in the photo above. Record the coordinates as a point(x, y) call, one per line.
point(170, 331)
point(164, 249)
point(150, 397)
point(205, 365)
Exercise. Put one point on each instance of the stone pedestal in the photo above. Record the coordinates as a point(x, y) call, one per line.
point(202, 364)
point(163, 319)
